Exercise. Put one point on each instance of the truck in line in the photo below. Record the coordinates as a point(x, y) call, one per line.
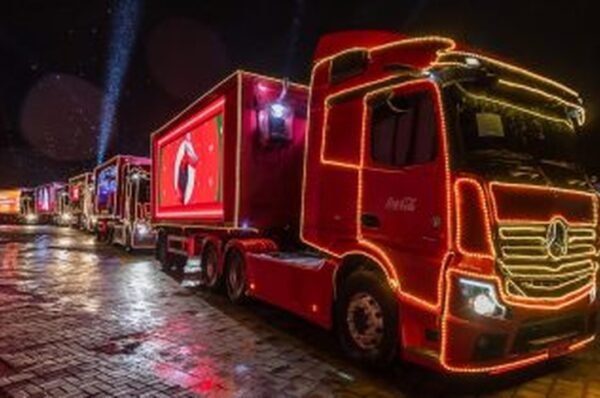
point(122, 202)
point(10, 206)
point(81, 196)
point(49, 202)
point(419, 198)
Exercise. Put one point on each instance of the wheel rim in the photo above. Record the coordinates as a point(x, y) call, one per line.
point(235, 277)
point(211, 267)
point(365, 321)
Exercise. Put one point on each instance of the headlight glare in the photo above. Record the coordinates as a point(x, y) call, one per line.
point(481, 298)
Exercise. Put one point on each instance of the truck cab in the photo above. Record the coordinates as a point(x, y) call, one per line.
point(455, 177)
point(64, 216)
point(27, 207)
point(81, 196)
point(123, 202)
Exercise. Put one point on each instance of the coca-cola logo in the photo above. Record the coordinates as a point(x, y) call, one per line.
point(406, 203)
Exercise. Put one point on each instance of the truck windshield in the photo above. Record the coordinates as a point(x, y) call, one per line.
point(144, 191)
point(492, 128)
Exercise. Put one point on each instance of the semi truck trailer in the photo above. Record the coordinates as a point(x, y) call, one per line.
point(64, 216)
point(10, 206)
point(122, 202)
point(419, 198)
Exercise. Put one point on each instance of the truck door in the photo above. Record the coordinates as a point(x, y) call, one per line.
point(402, 210)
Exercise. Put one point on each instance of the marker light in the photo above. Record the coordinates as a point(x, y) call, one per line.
point(31, 217)
point(481, 298)
point(278, 110)
point(473, 62)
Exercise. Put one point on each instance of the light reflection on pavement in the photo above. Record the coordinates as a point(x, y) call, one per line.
point(82, 319)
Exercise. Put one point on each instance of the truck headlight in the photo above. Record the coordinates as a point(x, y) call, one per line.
point(481, 298)
point(142, 229)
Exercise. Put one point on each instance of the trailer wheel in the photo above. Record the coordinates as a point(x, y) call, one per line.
point(367, 320)
point(235, 276)
point(210, 266)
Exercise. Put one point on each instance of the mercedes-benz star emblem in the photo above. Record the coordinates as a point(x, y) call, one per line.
point(557, 239)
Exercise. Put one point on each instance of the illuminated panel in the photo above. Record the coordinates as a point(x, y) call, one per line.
point(474, 237)
point(10, 201)
point(189, 169)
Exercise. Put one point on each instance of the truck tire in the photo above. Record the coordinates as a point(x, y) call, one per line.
point(367, 319)
point(210, 267)
point(235, 276)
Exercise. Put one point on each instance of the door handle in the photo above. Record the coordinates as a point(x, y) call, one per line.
point(370, 220)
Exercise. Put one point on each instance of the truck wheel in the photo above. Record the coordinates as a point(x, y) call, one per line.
point(235, 276)
point(367, 320)
point(210, 266)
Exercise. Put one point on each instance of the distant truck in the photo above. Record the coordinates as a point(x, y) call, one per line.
point(64, 216)
point(10, 206)
point(49, 202)
point(81, 196)
point(122, 202)
point(27, 207)
point(424, 201)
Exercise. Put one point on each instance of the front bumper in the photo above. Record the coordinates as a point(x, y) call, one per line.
point(527, 335)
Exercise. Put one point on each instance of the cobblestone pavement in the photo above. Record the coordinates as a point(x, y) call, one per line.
point(80, 320)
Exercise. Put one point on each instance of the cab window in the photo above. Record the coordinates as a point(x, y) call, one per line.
point(403, 130)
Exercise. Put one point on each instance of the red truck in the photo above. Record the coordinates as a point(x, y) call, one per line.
point(49, 201)
point(122, 202)
point(81, 196)
point(27, 206)
point(419, 198)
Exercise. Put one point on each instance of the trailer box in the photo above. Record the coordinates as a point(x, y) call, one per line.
point(10, 200)
point(233, 158)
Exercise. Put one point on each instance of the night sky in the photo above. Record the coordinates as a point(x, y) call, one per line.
point(54, 54)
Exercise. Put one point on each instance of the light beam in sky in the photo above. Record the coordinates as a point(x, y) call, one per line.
point(123, 32)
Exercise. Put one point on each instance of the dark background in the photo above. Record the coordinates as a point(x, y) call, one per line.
point(53, 56)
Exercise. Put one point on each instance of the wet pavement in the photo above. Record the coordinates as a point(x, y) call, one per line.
point(78, 320)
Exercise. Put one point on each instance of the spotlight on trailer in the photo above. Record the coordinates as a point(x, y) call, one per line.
point(278, 110)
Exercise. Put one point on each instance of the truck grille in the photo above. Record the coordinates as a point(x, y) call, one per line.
point(546, 260)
